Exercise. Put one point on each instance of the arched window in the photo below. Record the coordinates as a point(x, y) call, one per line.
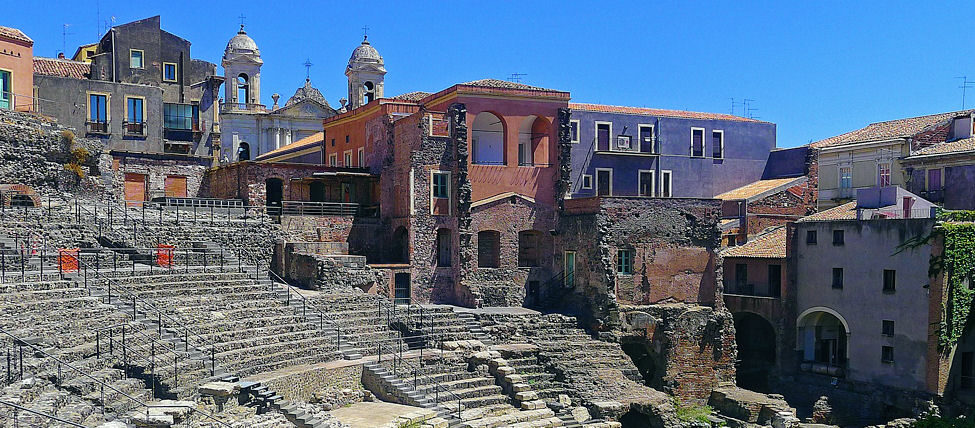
point(529, 242)
point(444, 255)
point(243, 89)
point(244, 152)
point(369, 92)
point(487, 139)
point(488, 249)
point(532, 140)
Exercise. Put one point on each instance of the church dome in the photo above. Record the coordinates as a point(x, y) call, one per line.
point(241, 43)
point(365, 53)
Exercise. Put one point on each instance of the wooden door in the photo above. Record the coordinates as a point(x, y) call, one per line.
point(135, 189)
point(175, 186)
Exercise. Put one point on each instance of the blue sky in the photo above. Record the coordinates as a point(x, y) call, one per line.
point(816, 69)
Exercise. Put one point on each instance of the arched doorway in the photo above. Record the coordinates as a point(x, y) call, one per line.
point(755, 338)
point(487, 139)
point(823, 340)
point(274, 189)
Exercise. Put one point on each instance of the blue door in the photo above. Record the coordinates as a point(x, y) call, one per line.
point(5, 95)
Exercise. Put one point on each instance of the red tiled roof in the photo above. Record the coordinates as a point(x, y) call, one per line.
point(890, 129)
point(847, 211)
point(15, 34)
point(412, 96)
point(658, 112)
point(503, 84)
point(61, 68)
point(958, 146)
point(768, 245)
point(758, 188)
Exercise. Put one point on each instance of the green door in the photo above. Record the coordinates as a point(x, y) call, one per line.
point(5, 95)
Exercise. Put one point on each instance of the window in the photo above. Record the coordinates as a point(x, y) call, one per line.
point(838, 237)
point(134, 110)
point(717, 144)
point(488, 249)
point(887, 354)
point(443, 248)
point(570, 269)
point(6, 89)
point(346, 139)
point(666, 191)
point(775, 280)
point(890, 279)
point(181, 116)
point(647, 142)
point(603, 132)
point(169, 71)
point(646, 183)
point(441, 185)
point(347, 157)
point(333, 159)
point(528, 251)
point(934, 180)
point(811, 237)
point(967, 369)
point(243, 90)
point(887, 328)
point(624, 262)
point(604, 182)
point(573, 131)
point(838, 278)
point(846, 177)
point(98, 108)
point(333, 142)
point(741, 276)
point(883, 174)
point(697, 142)
point(586, 181)
point(362, 158)
point(135, 58)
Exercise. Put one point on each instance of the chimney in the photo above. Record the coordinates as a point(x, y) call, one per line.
point(60, 55)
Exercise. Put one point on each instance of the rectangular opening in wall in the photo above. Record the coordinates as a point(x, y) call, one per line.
point(890, 280)
point(717, 144)
point(839, 237)
point(573, 131)
point(646, 179)
point(586, 181)
point(838, 278)
point(666, 186)
point(488, 248)
point(603, 131)
point(967, 370)
point(775, 280)
point(647, 142)
point(175, 186)
point(697, 142)
point(624, 261)
point(811, 237)
point(443, 248)
point(528, 248)
point(741, 277)
point(401, 288)
point(887, 328)
point(887, 354)
point(569, 279)
point(604, 182)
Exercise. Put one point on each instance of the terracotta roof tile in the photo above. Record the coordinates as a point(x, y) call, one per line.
point(898, 128)
point(847, 211)
point(503, 84)
point(963, 145)
point(412, 96)
point(768, 245)
point(758, 188)
point(658, 112)
point(309, 141)
point(13, 33)
point(61, 68)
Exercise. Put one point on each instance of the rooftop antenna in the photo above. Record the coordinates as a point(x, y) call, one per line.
point(516, 77)
point(308, 65)
point(64, 37)
point(747, 110)
point(965, 84)
point(98, 20)
point(733, 106)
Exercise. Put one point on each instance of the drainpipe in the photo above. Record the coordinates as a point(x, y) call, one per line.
point(114, 59)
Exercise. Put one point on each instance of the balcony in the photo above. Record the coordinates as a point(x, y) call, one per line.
point(97, 128)
point(134, 129)
point(242, 107)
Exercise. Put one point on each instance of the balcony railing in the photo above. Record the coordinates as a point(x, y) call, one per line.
point(934, 195)
point(97, 127)
point(322, 209)
point(894, 213)
point(134, 129)
point(230, 107)
point(750, 290)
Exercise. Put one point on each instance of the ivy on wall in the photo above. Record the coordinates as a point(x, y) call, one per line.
point(958, 264)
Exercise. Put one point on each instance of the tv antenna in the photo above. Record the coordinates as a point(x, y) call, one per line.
point(733, 103)
point(748, 109)
point(64, 37)
point(965, 84)
point(516, 77)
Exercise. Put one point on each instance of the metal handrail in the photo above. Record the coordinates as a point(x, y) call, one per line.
point(41, 414)
point(104, 384)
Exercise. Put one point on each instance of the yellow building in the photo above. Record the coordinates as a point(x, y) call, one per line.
point(85, 52)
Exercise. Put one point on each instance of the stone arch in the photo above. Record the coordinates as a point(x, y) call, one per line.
point(823, 339)
point(243, 89)
point(368, 92)
point(533, 137)
point(756, 341)
point(487, 139)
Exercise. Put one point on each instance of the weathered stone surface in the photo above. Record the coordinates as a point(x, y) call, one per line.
point(219, 389)
point(580, 414)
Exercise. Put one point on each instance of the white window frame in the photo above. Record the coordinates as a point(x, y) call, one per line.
point(361, 157)
point(717, 131)
point(704, 142)
point(653, 182)
point(653, 138)
point(667, 176)
point(175, 72)
point(578, 131)
point(333, 160)
point(839, 176)
point(347, 158)
point(596, 184)
point(595, 136)
point(890, 172)
point(143, 67)
point(450, 194)
point(584, 177)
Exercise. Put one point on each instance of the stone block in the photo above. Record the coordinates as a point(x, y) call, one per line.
point(580, 414)
point(564, 400)
point(520, 387)
point(219, 389)
point(514, 378)
point(504, 371)
point(526, 396)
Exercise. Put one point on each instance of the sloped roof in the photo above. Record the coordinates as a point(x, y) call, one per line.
point(957, 146)
point(61, 68)
point(307, 92)
point(412, 96)
point(768, 245)
point(760, 188)
point(682, 114)
point(847, 211)
point(13, 33)
point(898, 128)
point(309, 141)
point(503, 84)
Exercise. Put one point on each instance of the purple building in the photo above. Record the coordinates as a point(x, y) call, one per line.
point(630, 151)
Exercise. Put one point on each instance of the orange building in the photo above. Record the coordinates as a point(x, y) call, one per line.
point(16, 70)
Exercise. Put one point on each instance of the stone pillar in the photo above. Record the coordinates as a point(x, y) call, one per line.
point(457, 117)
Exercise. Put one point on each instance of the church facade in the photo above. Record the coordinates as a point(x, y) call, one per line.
point(250, 128)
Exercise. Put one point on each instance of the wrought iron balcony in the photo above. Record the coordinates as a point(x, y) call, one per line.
point(97, 127)
point(134, 129)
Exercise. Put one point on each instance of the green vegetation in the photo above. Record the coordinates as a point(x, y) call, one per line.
point(693, 412)
point(939, 422)
point(79, 155)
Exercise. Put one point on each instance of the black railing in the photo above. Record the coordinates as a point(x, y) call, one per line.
point(97, 127)
point(18, 408)
point(134, 129)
